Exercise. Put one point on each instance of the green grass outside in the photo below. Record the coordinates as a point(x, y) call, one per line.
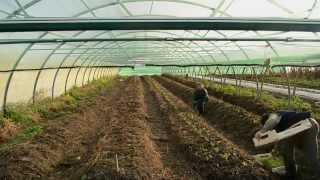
point(267, 98)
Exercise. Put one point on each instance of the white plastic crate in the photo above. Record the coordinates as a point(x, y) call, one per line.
point(271, 137)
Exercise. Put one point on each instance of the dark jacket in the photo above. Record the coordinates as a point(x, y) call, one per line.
point(200, 95)
point(289, 118)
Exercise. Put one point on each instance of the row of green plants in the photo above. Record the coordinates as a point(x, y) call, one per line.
point(304, 81)
point(248, 98)
point(28, 120)
point(271, 101)
point(298, 82)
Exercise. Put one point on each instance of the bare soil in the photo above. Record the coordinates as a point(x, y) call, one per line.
point(208, 151)
point(164, 139)
point(233, 121)
point(135, 130)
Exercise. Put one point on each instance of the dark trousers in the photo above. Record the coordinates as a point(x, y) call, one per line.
point(200, 106)
point(307, 143)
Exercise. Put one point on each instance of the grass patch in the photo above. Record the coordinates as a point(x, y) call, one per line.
point(24, 136)
point(270, 162)
point(20, 114)
point(272, 102)
point(275, 103)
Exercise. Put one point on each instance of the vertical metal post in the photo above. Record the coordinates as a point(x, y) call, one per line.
point(41, 69)
point(221, 76)
point(4, 105)
point(93, 60)
point(242, 74)
point(91, 69)
point(295, 78)
point(289, 87)
point(81, 66)
point(257, 81)
point(214, 75)
point(224, 80)
point(67, 78)
point(263, 74)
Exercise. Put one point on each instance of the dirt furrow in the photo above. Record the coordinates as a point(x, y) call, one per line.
point(77, 164)
point(170, 155)
point(250, 104)
point(234, 122)
point(209, 152)
point(127, 150)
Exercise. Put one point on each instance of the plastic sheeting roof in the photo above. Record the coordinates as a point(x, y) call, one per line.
point(60, 54)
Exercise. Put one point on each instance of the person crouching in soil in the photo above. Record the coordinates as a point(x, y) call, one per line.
point(200, 98)
point(306, 142)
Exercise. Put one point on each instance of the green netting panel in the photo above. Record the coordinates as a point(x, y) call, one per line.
point(140, 71)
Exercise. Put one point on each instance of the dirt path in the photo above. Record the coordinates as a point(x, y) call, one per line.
point(127, 149)
point(78, 162)
point(172, 159)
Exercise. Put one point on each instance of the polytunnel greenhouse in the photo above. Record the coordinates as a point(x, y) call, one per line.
point(159, 89)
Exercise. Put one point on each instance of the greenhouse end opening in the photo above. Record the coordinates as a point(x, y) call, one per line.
point(159, 89)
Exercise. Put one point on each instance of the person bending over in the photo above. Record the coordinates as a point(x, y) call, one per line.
point(200, 98)
point(305, 141)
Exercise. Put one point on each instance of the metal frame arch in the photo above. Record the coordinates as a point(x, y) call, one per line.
point(23, 8)
point(96, 63)
point(170, 43)
point(314, 5)
point(91, 10)
point(214, 45)
point(8, 82)
point(192, 41)
point(89, 66)
point(59, 67)
point(79, 57)
point(191, 56)
point(88, 57)
point(112, 45)
point(131, 1)
point(40, 71)
point(108, 32)
point(86, 50)
point(68, 75)
point(79, 69)
point(47, 59)
point(95, 75)
point(125, 33)
point(235, 43)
